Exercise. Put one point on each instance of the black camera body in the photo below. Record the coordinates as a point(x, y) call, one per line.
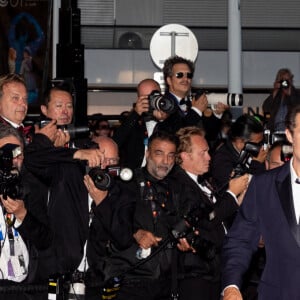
point(197, 219)
point(279, 138)
point(74, 132)
point(250, 150)
point(157, 101)
point(104, 179)
point(284, 84)
point(10, 179)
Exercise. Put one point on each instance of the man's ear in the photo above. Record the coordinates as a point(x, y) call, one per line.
point(184, 156)
point(44, 110)
point(168, 81)
point(289, 136)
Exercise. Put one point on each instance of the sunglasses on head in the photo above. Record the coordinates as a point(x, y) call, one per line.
point(189, 75)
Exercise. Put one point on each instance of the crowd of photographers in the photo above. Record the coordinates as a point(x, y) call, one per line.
point(141, 214)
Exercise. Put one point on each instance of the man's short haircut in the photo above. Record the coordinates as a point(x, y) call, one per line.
point(244, 126)
point(7, 130)
point(163, 136)
point(147, 81)
point(290, 119)
point(173, 60)
point(64, 85)
point(10, 78)
point(185, 142)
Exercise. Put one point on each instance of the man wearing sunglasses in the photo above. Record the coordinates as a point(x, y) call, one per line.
point(178, 76)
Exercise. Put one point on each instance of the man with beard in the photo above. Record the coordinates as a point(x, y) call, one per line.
point(144, 265)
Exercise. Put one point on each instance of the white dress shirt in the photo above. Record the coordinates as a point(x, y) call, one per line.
point(295, 191)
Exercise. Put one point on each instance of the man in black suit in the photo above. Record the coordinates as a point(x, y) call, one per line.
point(133, 134)
point(178, 75)
point(270, 209)
point(24, 225)
point(59, 173)
point(199, 268)
point(245, 129)
point(14, 104)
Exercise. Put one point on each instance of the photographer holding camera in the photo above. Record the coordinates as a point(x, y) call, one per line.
point(245, 129)
point(24, 225)
point(59, 173)
point(178, 76)
point(283, 96)
point(133, 134)
point(148, 214)
point(199, 268)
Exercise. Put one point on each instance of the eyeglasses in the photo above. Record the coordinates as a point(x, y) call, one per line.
point(188, 75)
point(104, 127)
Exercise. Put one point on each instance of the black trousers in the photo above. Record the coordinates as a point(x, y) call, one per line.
point(197, 288)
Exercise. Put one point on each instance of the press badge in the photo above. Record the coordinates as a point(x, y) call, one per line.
point(17, 264)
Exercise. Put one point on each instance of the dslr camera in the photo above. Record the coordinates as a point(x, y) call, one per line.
point(279, 138)
point(74, 132)
point(214, 98)
point(157, 101)
point(10, 179)
point(250, 150)
point(284, 84)
point(196, 219)
point(104, 179)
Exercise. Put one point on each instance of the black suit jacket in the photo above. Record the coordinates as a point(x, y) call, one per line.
point(223, 162)
point(67, 206)
point(131, 137)
point(267, 211)
point(191, 196)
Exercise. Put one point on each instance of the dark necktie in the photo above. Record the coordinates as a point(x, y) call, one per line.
point(200, 179)
point(297, 180)
point(185, 101)
point(204, 183)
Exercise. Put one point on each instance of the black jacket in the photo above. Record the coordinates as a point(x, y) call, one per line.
point(224, 160)
point(111, 247)
point(271, 105)
point(67, 206)
point(193, 201)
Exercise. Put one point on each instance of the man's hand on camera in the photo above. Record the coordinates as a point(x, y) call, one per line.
point(184, 246)
point(219, 108)
point(142, 105)
point(49, 130)
point(62, 137)
point(94, 157)
point(97, 195)
point(239, 184)
point(200, 103)
point(262, 154)
point(16, 207)
point(160, 115)
point(146, 239)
